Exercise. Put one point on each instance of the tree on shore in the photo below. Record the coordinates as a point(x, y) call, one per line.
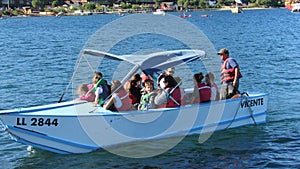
point(39, 4)
point(90, 6)
point(203, 4)
point(57, 3)
point(157, 3)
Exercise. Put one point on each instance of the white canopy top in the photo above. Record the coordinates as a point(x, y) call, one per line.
point(154, 62)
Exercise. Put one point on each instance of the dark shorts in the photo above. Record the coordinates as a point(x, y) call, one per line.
point(227, 91)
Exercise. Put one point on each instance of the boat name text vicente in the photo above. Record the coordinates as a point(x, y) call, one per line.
point(252, 102)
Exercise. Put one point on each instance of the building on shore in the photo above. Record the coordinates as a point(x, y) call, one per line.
point(12, 4)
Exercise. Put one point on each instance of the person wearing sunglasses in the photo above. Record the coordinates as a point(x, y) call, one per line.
point(230, 75)
point(100, 87)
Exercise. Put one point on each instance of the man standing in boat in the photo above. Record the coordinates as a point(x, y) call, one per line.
point(230, 74)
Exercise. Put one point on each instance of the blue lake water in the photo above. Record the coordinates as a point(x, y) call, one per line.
point(38, 57)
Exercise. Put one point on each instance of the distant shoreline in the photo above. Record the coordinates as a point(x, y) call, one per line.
point(244, 8)
point(224, 8)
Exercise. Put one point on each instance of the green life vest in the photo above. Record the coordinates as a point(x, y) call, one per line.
point(145, 99)
point(100, 82)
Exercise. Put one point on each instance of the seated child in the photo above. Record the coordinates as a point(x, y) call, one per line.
point(83, 91)
point(147, 99)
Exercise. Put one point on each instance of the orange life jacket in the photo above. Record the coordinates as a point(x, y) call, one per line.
point(204, 92)
point(126, 104)
point(176, 95)
point(227, 75)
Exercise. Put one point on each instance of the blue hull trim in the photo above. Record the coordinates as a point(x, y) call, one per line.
point(20, 140)
point(230, 121)
point(44, 136)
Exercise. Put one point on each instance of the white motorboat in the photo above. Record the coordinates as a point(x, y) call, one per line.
point(159, 12)
point(81, 127)
point(296, 7)
point(60, 14)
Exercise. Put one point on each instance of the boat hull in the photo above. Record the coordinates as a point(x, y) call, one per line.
point(80, 127)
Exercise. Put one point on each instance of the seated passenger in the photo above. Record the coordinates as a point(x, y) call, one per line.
point(95, 79)
point(147, 99)
point(202, 92)
point(101, 88)
point(119, 98)
point(134, 90)
point(145, 77)
point(83, 91)
point(169, 71)
point(182, 92)
point(210, 81)
point(170, 96)
point(127, 83)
